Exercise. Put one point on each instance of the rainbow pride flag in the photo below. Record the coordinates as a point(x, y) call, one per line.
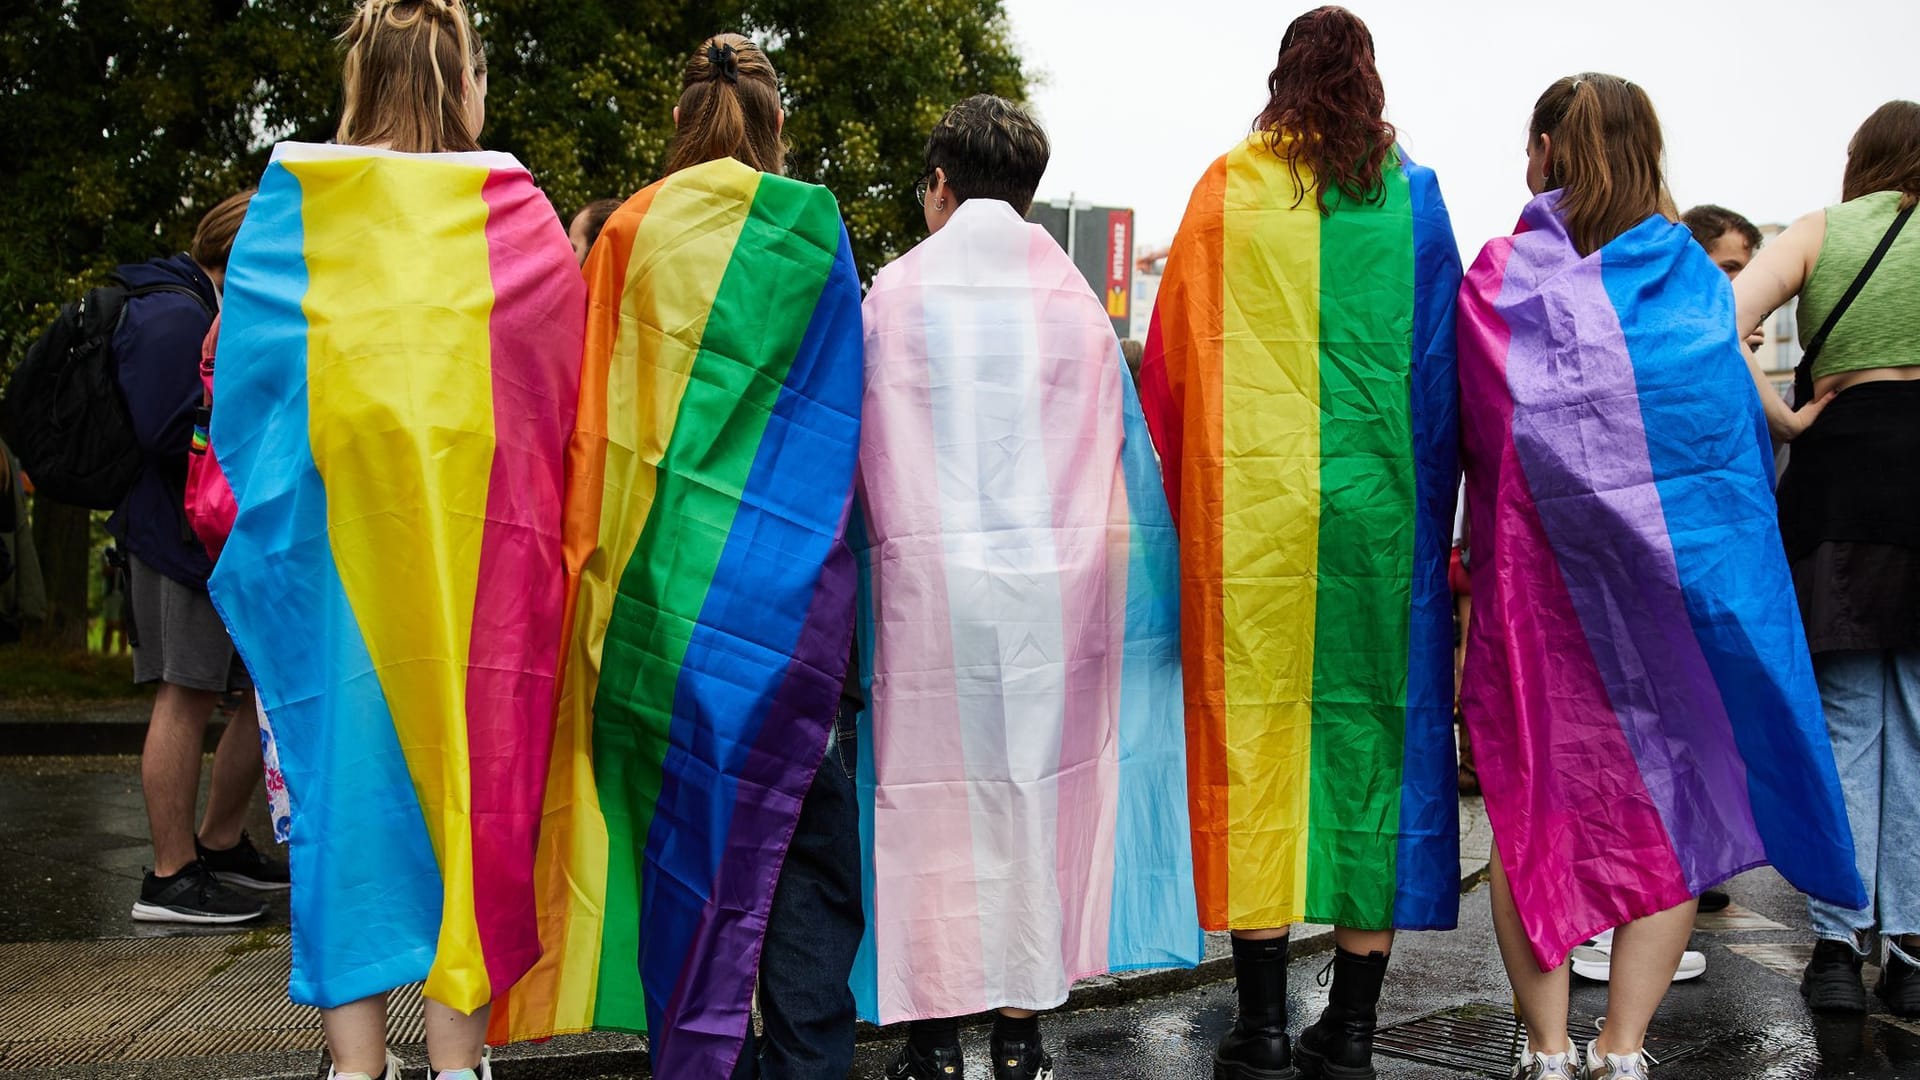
point(1643, 707)
point(1299, 382)
point(399, 360)
point(710, 605)
point(1020, 765)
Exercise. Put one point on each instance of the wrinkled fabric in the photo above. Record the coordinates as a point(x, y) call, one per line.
point(1299, 383)
point(710, 603)
point(399, 356)
point(1644, 714)
point(1021, 770)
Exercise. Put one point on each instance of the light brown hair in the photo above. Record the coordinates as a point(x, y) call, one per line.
point(409, 66)
point(729, 107)
point(213, 238)
point(1607, 156)
point(1885, 154)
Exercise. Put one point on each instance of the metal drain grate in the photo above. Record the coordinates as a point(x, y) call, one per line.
point(74, 1003)
point(1483, 1039)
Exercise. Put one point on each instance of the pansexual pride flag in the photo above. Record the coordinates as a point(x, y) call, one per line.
point(709, 600)
point(399, 358)
point(1299, 381)
point(1020, 764)
point(1644, 713)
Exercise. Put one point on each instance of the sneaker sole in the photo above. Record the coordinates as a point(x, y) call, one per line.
point(144, 912)
point(226, 877)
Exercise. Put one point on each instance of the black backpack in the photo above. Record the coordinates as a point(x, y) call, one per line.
point(65, 415)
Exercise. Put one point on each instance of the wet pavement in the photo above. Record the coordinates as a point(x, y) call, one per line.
point(1745, 1013)
point(73, 838)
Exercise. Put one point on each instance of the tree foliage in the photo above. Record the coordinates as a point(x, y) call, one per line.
point(125, 119)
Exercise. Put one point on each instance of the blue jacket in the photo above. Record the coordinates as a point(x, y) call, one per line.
point(158, 350)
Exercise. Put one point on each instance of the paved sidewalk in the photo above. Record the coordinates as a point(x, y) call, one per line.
point(86, 992)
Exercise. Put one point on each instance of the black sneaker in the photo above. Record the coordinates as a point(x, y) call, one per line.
point(1019, 1060)
point(1832, 982)
point(944, 1063)
point(192, 896)
point(1714, 900)
point(243, 865)
point(1899, 987)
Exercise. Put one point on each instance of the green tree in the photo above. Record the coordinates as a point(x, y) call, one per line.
point(584, 92)
point(124, 120)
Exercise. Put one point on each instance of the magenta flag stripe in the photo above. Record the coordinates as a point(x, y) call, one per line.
point(1579, 436)
point(522, 584)
point(1559, 737)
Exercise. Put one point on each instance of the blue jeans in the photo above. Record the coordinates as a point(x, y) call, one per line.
point(1872, 701)
point(813, 932)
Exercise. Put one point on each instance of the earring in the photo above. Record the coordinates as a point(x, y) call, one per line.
point(940, 204)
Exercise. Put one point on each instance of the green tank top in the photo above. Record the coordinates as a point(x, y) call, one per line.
point(1882, 327)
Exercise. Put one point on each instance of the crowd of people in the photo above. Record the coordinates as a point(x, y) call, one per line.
point(638, 632)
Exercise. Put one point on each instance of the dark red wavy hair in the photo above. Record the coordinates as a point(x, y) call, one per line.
point(1326, 107)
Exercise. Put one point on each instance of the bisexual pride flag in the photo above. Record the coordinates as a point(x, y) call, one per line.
point(1299, 382)
point(709, 606)
point(1020, 764)
point(399, 360)
point(1643, 707)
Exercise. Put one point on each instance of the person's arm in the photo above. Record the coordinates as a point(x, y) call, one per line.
point(1776, 276)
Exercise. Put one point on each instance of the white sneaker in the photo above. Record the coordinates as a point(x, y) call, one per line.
point(392, 1072)
point(1616, 1066)
point(1532, 1066)
point(1593, 959)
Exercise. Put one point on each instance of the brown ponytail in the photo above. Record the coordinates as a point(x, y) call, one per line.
point(1606, 156)
point(729, 107)
point(409, 67)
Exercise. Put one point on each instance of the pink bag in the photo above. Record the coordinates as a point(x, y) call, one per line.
point(210, 505)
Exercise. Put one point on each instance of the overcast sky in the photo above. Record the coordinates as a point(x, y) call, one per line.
point(1757, 97)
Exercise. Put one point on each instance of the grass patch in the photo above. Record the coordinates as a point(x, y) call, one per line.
point(39, 676)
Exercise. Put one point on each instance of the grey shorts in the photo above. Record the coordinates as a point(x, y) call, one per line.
point(181, 638)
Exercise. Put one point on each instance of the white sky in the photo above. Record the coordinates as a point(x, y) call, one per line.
point(1757, 97)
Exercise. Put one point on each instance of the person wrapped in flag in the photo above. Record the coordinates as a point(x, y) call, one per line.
point(709, 590)
point(1020, 762)
point(1646, 721)
point(399, 359)
point(1299, 383)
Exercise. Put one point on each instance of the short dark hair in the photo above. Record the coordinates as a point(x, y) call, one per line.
point(596, 214)
point(989, 148)
point(1710, 223)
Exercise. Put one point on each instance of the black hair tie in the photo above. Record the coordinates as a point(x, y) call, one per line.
point(725, 61)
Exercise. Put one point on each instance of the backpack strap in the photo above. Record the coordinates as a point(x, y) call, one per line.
point(170, 287)
point(1803, 374)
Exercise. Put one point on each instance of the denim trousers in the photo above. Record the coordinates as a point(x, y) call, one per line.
point(813, 932)
point(1872, 701)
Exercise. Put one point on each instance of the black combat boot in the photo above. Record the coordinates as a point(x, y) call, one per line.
point(1899, 985)
point(1257, 1048)
point(1340, 1045)
point(1831, 983)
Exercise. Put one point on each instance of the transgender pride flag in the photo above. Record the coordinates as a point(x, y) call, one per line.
point(1022, 773)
